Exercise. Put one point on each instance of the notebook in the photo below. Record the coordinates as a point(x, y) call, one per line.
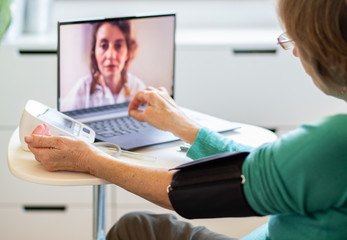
point(103, 62)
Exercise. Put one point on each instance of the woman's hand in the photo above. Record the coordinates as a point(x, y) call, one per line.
point(163, 113)
point(64, 153)
point(61, 153)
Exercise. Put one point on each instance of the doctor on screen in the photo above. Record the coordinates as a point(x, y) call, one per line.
point(109, 81)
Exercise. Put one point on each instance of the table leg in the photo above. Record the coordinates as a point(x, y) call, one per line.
point(99, 201)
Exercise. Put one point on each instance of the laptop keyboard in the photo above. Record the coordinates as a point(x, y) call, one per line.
point(114, 107)
point(117, 127)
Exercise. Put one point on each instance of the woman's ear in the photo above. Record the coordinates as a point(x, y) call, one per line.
point(295, 51)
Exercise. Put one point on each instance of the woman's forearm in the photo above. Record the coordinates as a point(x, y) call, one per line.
point(149, 183)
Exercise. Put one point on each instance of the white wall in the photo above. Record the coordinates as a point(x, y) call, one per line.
point(191, 13)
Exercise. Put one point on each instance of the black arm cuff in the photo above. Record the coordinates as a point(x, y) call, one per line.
point(210, 188)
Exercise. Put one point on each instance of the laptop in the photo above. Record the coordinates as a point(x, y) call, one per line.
point(103, 62)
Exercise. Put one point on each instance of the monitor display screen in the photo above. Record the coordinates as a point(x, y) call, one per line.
point(106, 61)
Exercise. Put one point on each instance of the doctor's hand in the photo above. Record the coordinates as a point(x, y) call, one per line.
point(57, 153)
point(163, 113)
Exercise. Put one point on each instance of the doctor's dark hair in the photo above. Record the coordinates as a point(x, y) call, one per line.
point(319, 30)
point(125, 27)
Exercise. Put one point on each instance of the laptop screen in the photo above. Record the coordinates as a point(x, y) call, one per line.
point(106, 61)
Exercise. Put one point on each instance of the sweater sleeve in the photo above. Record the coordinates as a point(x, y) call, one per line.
point(300, 179)
point(209, 143)
point(296, 173)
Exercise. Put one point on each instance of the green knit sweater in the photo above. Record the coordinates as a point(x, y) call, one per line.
point(300, 179)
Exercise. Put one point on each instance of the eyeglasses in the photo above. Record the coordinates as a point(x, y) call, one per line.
point(285, 42)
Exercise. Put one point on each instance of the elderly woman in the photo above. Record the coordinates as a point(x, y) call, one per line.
point(299, 180)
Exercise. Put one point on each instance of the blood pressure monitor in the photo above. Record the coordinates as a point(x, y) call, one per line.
point(59, 124)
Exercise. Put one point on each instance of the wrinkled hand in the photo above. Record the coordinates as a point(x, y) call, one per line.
point(163, 113)
point(60, 153)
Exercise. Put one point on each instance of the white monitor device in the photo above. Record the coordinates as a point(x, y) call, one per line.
point(36, 113)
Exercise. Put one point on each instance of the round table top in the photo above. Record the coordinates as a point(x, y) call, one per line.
point(23, 165)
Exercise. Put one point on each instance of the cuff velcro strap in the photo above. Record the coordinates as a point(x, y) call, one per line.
point(210, 187)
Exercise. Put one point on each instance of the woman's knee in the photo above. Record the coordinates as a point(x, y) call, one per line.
point(132, 218)
point(128, 225)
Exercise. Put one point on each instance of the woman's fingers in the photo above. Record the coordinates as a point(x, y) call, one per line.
point(138, 101)
point(42, 129)
point(150, 97)
point(163, 113)
point(60, 153)
point(137, 114)
point(42, 141)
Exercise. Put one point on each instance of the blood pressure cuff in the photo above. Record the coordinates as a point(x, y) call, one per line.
point(210, 188)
